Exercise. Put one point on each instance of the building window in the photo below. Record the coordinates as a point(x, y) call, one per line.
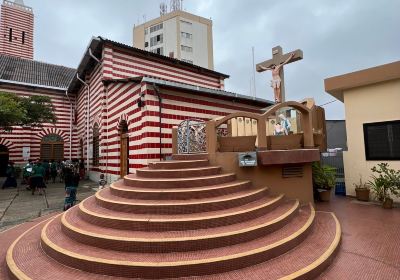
point(186, 35)
point(158, 51)
point(23, 37)
point(10, 35)
point(52, 147)
point(187, 60)
point(158, 39)
point(146, 44)
point(186, 22)
point(96, 145)
point(146, 31)
point(382, 140)
point(186, 48)
point(155, 28)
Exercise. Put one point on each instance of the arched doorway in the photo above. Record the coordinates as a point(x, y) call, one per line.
point(4, 157)
point(124, 148)
point(52, 147)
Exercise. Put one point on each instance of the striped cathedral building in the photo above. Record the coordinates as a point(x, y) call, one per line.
point(117, 109)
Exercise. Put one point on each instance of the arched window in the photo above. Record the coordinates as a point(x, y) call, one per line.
point(96, 144)
point(52, 147)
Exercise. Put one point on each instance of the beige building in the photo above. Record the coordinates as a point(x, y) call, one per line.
point(372, 108)
point(180, 35)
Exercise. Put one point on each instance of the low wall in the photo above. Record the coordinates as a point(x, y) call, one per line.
point(269, 176)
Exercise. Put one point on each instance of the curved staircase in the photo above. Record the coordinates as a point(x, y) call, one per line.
point(179, 218)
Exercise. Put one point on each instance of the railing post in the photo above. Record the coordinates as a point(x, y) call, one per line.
point(262, 133)
point(211, 137)
point(174, 140)
point(307, 130)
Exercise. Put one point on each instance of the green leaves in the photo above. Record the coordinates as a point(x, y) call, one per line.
point(25, 111)
point(385, 182)
point(324, 176)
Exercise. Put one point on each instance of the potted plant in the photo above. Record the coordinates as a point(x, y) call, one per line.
point(385, 183)
point(362, 191)
point(324, 179)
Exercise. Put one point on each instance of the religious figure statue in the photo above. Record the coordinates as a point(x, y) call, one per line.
point(276, 78)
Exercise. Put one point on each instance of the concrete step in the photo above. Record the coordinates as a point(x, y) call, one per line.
point(178, 164)
point(178, 173)
point(172, 241)
point(93, 213)
point(267, 251)
point(106, 199)
point(121, 190)
point(198, 156)
point(190, 182)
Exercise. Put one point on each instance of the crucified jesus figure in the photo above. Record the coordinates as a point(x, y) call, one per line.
point(276, 77)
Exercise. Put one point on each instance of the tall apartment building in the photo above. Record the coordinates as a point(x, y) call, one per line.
point(180, 35)
point(16, 29)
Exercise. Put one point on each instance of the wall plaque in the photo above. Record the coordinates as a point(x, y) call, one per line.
point(247, 159)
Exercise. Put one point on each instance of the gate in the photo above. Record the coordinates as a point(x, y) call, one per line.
point(192, 136)
point(336, 160)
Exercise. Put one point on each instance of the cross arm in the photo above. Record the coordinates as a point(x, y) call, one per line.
point(298, 55)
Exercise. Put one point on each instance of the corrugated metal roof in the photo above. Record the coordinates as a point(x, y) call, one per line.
point(34, 73)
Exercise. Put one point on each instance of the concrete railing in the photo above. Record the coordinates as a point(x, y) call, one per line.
point(259, 129)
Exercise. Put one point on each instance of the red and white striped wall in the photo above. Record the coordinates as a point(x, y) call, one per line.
point(115, 101)
point(21, 137)
point(17, 20)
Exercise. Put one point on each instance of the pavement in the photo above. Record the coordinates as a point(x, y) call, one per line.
point(18, 205)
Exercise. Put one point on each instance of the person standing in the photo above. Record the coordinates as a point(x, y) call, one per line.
point(82, 169)
point(53, 170)
point(46, 166)
point(27, 173)
point(71, 179)
point(11, 181)
point(37, 181)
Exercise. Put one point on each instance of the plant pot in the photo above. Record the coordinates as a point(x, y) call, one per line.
point(387, 203)
point(324, 195)
point(362, 194)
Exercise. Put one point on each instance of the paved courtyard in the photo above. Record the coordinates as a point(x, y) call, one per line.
point(19, 205)
point(369, 247)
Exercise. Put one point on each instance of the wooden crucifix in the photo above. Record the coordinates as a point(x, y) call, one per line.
point(276, 66)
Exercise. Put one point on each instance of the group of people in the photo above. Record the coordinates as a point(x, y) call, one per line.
point(36, 174)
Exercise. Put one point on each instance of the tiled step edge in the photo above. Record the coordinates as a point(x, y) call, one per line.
point(179, 243)
point(319, 265)
point(151, 270)
point(183, 206)
point(184, 223)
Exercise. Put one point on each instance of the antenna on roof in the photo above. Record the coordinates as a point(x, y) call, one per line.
point(163, 8)
point(176, 5)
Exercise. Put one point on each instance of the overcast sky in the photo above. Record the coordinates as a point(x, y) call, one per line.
point(336, 36)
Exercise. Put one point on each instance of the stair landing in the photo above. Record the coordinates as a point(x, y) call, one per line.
point(215, 227)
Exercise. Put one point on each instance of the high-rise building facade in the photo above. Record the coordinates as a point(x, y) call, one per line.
point(16, 29)
point(180, 35)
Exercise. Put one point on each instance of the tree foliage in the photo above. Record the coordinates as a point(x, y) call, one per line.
point(31, 111)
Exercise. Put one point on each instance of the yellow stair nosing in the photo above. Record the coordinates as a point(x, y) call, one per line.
point(57, 248)
point(12, 266)
point(196, 189)
point(253, 192)
point(324, 257)
point(175, 179)
point(178, 239)
point(89, 212)
point(181, 169)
